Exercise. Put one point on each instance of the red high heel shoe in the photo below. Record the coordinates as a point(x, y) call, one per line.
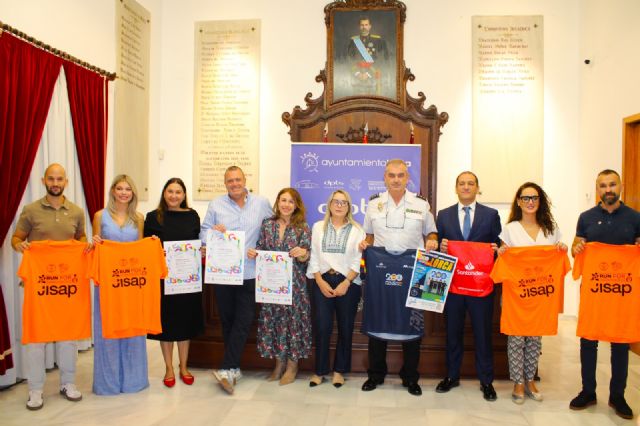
point(188, 379)
point(170, 382)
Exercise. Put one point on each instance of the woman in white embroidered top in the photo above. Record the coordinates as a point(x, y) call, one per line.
point(530, 224)
point(335, 266)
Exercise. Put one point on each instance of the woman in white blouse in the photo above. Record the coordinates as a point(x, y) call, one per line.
point(530, 224)
point(335, 266)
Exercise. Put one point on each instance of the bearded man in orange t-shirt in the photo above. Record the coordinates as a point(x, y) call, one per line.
point(610, 222)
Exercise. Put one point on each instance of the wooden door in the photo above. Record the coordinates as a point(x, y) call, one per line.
point(631, 161)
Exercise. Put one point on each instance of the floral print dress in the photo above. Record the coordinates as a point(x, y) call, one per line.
point(284, 331)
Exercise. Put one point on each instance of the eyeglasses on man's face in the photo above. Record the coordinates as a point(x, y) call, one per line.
point(340, 203)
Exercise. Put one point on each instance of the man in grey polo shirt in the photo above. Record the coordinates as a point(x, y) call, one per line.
point(52, 217)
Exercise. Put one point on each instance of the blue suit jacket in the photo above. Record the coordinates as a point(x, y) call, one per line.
point(485, 228)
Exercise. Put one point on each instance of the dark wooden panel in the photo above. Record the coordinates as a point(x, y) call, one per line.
point(206, 350)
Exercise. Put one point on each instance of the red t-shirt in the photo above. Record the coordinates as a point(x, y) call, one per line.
point(532, 289)
point(475, 261)
point(609, 292)
point(57, 296)
point(128, 275)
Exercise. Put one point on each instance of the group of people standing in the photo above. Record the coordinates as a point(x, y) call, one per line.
point(329, 254)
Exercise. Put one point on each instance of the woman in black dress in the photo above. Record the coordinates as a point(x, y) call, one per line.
point(182, 318)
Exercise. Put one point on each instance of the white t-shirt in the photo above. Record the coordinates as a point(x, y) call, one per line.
point(514, 235)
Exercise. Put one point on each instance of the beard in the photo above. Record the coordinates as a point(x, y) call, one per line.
point(54, 191)
point(610, 198)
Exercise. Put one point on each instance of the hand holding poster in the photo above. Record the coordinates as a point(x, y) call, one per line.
point(430, 281)
point(224, 261)
point(274, 275)
point(185, 267)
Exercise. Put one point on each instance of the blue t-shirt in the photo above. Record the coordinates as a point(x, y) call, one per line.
point(622, 226)
point(387, 277)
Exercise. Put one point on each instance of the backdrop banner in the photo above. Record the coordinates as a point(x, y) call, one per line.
point(319, 169)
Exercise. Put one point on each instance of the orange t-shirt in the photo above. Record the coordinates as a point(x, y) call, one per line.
point(128, 275)
point(609, 293)
point(532, 289)
point(57, 296)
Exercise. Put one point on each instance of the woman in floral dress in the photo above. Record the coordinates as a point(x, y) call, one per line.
point(284, 331)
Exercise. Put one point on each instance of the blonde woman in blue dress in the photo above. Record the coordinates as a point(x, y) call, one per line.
point(119, 365)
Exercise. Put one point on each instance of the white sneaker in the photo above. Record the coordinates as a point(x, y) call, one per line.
point(226, 379)
point(237, 374)
point(35, 401)
point(70, 392)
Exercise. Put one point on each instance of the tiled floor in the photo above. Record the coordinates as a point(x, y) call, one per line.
point(257, 402)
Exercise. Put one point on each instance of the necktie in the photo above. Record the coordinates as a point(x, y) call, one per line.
point(466, 223)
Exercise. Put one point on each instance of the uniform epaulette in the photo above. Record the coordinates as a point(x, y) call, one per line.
point(374, 36)
point(374, 196)
point(422, 197)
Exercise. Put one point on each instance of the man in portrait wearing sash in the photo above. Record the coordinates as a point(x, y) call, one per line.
point(367, 51)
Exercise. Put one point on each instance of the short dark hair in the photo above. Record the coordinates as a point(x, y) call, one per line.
point(467, 172)
point(364, 18)
point(609, 172)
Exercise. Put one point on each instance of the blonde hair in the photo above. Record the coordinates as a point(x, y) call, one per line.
point(348, 217)
point(133, 204)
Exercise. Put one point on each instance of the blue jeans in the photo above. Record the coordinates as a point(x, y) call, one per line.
point(345, 308)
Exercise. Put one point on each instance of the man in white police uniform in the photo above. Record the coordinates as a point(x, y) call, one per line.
point(397, 220)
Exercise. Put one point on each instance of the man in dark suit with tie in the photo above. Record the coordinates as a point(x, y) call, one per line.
point(468, 220)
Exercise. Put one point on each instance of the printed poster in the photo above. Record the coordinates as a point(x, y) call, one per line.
point(430, 281)
point(185, 267)
point(224, 260)
point(274, 277)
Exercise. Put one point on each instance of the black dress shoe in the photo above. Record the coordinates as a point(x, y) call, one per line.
point(446, 385)
point(488, 392)
point(371, 384)
point(619, 404)
point(583, 400)
point(413, 388)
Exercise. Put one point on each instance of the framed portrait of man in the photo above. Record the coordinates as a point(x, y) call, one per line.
point(364, 51)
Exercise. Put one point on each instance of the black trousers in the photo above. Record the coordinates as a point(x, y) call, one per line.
point(345, 309)
point(237, 309)
point(481, 313)
point(619, 366)
point(378, 360)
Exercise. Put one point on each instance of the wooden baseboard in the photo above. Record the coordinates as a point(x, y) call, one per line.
point(635, 348)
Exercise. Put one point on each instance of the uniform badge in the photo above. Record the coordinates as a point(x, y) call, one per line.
point(380, 206)
point(370, 44)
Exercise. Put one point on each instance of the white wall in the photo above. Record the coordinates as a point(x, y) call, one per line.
point(584, 105)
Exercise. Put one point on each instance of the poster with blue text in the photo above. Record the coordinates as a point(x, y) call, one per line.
point(319, 169)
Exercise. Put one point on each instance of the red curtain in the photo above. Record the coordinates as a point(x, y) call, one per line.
point(88, 98)
point(27, 79)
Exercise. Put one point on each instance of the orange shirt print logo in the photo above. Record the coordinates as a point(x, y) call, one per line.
point(53, 283)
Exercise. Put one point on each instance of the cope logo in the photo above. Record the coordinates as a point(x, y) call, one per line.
point(129, 275)
point(537, 286)
point(310, 162)
point(394, 280)
point(57, 281)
